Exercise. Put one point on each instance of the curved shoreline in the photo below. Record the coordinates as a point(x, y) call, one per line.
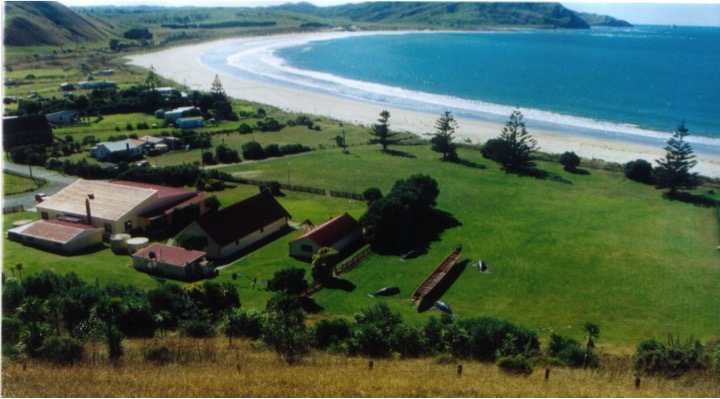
point(196, 75)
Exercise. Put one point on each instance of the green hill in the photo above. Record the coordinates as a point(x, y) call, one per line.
point(449, 15)
point(603, 20)
point(30, 23)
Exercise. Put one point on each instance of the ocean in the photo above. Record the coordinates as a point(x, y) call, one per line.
point(632, 84)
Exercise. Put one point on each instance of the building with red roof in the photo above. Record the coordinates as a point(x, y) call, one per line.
point(338, 233)
point(173, 262)
point(61, 236)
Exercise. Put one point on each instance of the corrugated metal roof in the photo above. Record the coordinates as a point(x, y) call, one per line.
point(117, 146)
point(171, 255)
point(53, 230)
point(110, 202)
point(332, 231)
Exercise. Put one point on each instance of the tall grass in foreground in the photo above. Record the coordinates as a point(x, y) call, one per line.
point(211, 368)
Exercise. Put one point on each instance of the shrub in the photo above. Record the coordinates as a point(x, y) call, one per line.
point(639, 170)
point(10, 330)
point(159, 355)
point(515, 365)
point(244, 129)
point(372, 194)
point(242, 323)
point(62, 350)
point(290, 281)
point(569, 352)
point(370, 341)
point(570, 161)
point(673, 359)
point(408, 340)
point(253, 150)
point(271, 188)
point(490, 338)
point(330, 333)
point(197, 329)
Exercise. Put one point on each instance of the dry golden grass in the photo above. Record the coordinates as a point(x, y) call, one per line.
point(211, 368)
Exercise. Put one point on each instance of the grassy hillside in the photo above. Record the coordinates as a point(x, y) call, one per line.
point(214, 369)
point(30, 23)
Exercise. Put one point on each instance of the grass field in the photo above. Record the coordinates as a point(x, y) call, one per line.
point(13, 184)
point(216, 370)
point(601, 249)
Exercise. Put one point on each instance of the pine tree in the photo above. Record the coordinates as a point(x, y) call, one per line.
point(673, 171)
point(152, 80)
point(442, 141)
point(217, 88)
point(381, 132)
point(521, 144)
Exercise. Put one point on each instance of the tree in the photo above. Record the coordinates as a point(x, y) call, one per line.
point(570, 161)
point(442, 141)
point(323, 264)
point(673, 171)
point(290, 281)
point(514, 147)
point(152, 80)
point(372, 194)
point(217, 88)
point(283, 328)
point(592, 331)
point(381, 132)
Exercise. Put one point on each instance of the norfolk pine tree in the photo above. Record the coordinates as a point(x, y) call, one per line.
point(518, 145)
point(673, 171)
point(442, 141)
point(381, 132)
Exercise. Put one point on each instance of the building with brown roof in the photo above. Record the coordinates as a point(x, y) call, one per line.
point(173, 262)
point(61, 236)
point(121, 207)
point(338, 233)
point(232, 229)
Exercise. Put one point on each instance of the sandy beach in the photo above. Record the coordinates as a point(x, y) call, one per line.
point(184, 66)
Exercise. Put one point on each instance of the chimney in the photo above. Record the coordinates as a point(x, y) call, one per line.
point(87, 209)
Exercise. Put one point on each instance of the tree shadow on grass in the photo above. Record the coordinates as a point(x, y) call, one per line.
point(539, 174)
point(578, 171)
point(398, 153)
point(339, 284)
point(424, 232)
point(444, 285)
point(467, 163)
point(309, 305)
point(688, 198)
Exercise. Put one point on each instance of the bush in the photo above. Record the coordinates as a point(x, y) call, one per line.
point(639, 170)
point(372, 194)
point(570, 161)
point(159, 355)
point(290, 281)
point(197, 329)
point(673, 359)
point(10, 330)
point(271, 188)
point(515, 365)
point(490, 338)
point(245, 129)
point(62, 350)
point(330, 333)
point(243, 323)
point(408, 341)
point(569, 352)
point(368, 340)
point(253, 150)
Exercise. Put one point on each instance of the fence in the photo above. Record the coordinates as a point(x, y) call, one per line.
point(343, 194)
point(13, 209)
point(37, 182)
point(343, 268)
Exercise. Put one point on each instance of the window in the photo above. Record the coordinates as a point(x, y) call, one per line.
point(128, 225)
point(108, 227)
point(306, 248)
point(45, 216)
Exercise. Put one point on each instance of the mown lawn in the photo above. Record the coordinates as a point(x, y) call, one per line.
point(13, 184)
point(596, 248)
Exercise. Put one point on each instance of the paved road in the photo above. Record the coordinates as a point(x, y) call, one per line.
point(55, 182)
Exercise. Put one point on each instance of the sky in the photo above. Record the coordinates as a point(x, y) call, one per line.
point(688, 13)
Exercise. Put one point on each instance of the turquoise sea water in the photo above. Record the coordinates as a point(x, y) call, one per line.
point(635, 82)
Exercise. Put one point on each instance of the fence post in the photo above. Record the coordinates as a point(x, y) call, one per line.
point(459, 370)
point(547, 374)
point(371, 364)
point(637, 382)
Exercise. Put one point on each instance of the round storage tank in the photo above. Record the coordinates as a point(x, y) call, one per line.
point(136, 244)
point(118, 243)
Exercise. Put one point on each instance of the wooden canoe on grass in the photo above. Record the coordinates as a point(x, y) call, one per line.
point(438, 275)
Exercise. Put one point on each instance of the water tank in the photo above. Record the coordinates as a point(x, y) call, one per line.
point(118, 243)
point(136, 244)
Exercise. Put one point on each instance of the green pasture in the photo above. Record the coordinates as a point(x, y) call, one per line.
point(596, 248)
point(16, 184)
